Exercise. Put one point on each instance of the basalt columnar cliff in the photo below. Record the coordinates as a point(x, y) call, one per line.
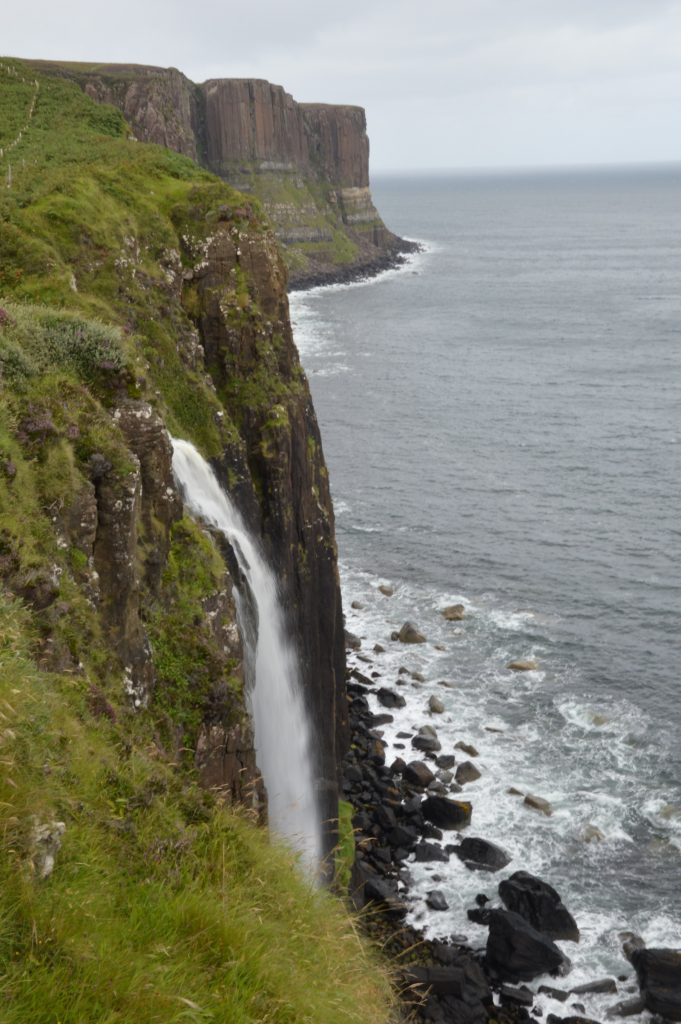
point(141, 297)
point(307, 162)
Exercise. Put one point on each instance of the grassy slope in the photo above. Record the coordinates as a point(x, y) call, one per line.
point(162, 906)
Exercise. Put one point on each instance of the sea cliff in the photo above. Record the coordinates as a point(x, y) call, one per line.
point(308, 163)
point(143, 298)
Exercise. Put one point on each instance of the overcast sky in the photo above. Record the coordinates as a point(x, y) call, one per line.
point(445, 83)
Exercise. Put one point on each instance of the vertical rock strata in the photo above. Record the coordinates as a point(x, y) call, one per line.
point(308, 163)
point(278, 474)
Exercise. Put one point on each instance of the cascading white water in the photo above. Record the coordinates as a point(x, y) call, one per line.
point(282, 732)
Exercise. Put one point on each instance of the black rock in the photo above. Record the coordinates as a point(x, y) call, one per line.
point(555, 993)
point(446, 813)
point(659, 978)
point(378, 890)
point(518, 952)
point(626, 1008)
point(436, 901)
point(459, 991)
point(398, 766)
point(389, 698)
point(431, 832)
point(353, 774)
point(540, 904)
point(512, 996)
point(404, 735)
point(381, 719)
point(479, 915)
point(403, 835)
point(385, 817)
point(429, 744)
point(418, 774)
point(426, 852)
point(445, 761)
point(607, 985)
point(553, 1019)
point(481, 855)
point(356, 674)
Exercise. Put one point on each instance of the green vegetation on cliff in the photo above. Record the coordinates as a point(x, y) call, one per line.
point(164, 902)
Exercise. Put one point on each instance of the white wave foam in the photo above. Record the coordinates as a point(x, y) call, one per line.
point(412, 262)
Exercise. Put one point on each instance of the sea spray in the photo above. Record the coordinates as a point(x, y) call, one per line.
point(282, 731)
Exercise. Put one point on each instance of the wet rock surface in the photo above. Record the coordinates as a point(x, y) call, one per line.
point(540, 905)
point(400, 819)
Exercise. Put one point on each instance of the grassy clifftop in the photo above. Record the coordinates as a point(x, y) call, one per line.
point(128, 892)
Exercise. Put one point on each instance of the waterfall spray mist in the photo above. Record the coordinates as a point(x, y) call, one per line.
point(282, 731)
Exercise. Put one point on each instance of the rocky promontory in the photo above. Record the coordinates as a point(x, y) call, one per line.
point(307, 163)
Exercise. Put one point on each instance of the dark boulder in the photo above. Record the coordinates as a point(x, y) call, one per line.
point(540, 904)
point(480, 855)
point(384, 895)
point(389, 698)
point(512, 996)
point(659, 979)
point(518, 952)
point(404, 836)
point(603, 985)
point(426, 852)
point(436, 901)
point(409, 634)
point(418, 774)
point(458, 992)
point(446, 813)
point(467, 772)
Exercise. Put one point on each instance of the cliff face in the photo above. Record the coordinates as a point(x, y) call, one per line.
point(307, 163)
point(192, 287)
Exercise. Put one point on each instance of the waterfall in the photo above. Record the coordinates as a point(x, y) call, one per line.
point(282, 731)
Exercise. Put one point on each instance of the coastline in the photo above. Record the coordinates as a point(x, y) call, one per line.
point(388, 785)
point(371, 778)
point(394, 258)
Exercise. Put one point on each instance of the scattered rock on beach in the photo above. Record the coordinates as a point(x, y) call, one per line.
point(386, 590)
point(454, 612)
point(539, 903)
point(436, 901)
point(417, 774)
point(467, 748)
point(537, 803)
point(426, 740)
point(518, 952)
point(352, 642)
point(591, 834)
point(523, 666)
point(409, 634)
point(435, 705)
point(389, 698)
point(467, 772)
point(446, 813)
point(659, 978)
point(481, 855)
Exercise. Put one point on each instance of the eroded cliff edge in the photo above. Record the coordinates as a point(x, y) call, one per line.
point(307, 163)
point(142, 297)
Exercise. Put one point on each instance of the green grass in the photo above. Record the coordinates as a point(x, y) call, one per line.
point(162, 907)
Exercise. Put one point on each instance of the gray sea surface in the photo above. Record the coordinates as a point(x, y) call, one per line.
point(502, 423)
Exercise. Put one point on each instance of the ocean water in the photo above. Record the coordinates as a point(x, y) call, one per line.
point(501, 418)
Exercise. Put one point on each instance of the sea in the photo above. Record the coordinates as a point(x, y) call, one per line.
point(501, 418)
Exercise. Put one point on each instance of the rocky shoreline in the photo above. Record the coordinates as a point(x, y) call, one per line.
point(411, 809)
point(363, 270)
